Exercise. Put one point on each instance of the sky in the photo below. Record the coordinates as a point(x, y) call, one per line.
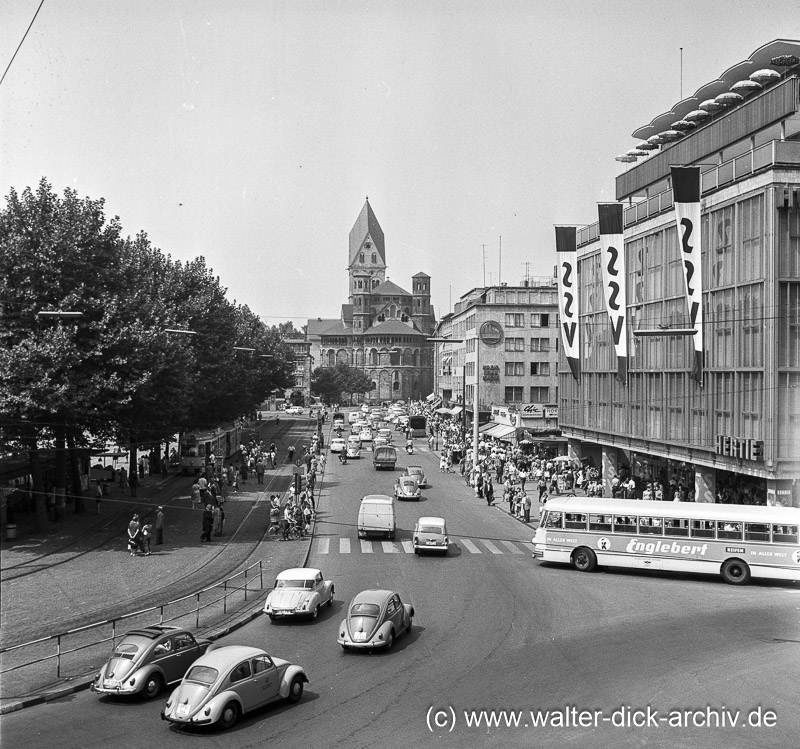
point(250, 133)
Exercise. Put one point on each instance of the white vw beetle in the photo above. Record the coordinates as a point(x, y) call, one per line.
point(298, 592)
point(228, 682)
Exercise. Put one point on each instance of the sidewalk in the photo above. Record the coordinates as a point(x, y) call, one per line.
point(80, 572)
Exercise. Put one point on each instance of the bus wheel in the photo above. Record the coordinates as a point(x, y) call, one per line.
point(583, 559)
point(735, 572)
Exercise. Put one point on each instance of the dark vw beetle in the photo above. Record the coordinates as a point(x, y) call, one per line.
point(374, 619)
point(146, 659)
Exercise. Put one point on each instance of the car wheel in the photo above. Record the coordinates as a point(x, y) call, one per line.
point(735, 572)
point(391, 536)
point(315, 612)
point(153, 686)
point(230, 715)
point(408, 626)
point(330, 600)
point(295, 689)
point(346, 648)
point(416, 551)
point(583, 559)
point(390, 640)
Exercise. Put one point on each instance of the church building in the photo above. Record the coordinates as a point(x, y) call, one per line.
point(383, 329)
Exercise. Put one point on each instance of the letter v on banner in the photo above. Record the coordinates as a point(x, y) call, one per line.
point(686, 192)
point(567, 252)
point(612, 261)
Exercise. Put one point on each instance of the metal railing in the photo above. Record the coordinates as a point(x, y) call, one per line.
point(185, 608)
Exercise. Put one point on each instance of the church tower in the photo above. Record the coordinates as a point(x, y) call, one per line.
point(421, 311)
point(367, 266)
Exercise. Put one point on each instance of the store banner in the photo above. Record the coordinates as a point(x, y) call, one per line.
point(567, 252)
point(686, 196)
point(612, 262)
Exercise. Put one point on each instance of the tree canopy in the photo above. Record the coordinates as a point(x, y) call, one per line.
point(331, 382)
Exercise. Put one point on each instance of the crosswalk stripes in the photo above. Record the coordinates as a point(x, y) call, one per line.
point(471, 548)
point(497, 547)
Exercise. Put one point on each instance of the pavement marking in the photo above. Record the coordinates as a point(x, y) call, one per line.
point(512, 548)
point(489, 545)
point(408, 547)
point(323, 545)
point(344, 545)
point(471, 546)
point(366, 547)
point(390, 547)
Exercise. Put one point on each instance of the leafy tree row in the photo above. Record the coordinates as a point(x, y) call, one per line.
point(115, 373)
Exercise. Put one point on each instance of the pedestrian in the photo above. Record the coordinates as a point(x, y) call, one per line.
point(122, 477)
point(260, 471)
point(243, 471)
point(288, 513)
point(133, 535)
point(141, 466)
point(217, 512)
point(290, 454)
point(165, 467)
point(98, 496)
point(488, 492)
point(526, 508)
point(159, 526)
point(195, 495)
point(133, 482)
point(208, 523)
point(145, 538)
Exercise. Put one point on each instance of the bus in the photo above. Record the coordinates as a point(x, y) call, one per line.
point(418, 426)
point(735, 541)
point(196, 447)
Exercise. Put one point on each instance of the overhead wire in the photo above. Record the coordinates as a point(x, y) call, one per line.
point(19, 46)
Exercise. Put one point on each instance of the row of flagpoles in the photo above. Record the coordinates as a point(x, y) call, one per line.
point(686, 198)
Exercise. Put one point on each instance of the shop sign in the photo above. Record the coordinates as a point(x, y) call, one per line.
point(532, 411)
point(551, 412)
point(491, 373)
point(502, 415)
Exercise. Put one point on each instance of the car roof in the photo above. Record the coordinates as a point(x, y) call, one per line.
point(377, 498)
point(153, 632)
point(407, 479)
point(430, 520)
point(378, 597)
point(415, 468)
point(225, 657)
point(301, 573)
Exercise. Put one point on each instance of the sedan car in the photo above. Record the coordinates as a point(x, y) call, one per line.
point(298, 592)
point(430, 534)
point(385, 432)
point(417, 473)
point(354, 449)
point(338, 445)
point(375, 618)
point(406, 487)
point(229, 682)
point(365, 435)
point(146, 659)
point(296, 410)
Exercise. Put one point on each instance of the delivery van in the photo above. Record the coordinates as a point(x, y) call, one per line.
point(376, 515)
point(384, 456)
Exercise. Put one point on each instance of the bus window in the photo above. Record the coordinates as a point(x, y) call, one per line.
point(676, 527)
point(729, 530)
point(576, 520)
point(756, 532)
point(702, 529)
point(553, 520)
point(624, 524)
point(784, 534)
point(651, 525)
point(599, 522)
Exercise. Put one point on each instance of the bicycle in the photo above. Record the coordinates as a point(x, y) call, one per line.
point(273, 531)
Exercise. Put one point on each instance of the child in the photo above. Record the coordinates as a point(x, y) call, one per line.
point(146, 537)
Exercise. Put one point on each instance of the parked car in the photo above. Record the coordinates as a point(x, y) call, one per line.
point(430, 534)
point(227, 683)
point(406, 487)
point(418, 473)
point(338, 445)
point(375, 618)
point(385, 432)
point(147, 659)
point(298, 592)
point(296, 410)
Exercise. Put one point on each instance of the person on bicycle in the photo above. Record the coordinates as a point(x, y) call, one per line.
point(274, 511)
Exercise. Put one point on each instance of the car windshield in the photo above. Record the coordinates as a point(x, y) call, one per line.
point(202, 675)
point(431, 529)
point(307, 584)
point(365, 609)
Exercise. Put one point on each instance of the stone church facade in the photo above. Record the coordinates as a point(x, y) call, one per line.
point(383, 329)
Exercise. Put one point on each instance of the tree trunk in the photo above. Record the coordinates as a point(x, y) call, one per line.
point(74, 462)
point(39, 498)
point(61, 471)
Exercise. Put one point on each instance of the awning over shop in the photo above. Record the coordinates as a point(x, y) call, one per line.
point(456, 411)
point(502, 432)
point(431, 397)
point(442, 410)
point(486, 427)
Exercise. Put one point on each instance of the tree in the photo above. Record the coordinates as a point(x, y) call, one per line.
point(330, 382)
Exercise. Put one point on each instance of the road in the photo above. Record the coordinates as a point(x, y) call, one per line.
point(494, 630)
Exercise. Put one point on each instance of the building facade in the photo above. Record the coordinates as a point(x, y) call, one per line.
point(383, 329)
point(517, 376)
point(300, 393)
point(736, 437)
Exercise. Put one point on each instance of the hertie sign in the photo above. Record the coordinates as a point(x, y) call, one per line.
point(491, 333)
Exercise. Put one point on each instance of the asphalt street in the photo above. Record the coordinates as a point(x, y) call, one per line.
point(494, 631)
